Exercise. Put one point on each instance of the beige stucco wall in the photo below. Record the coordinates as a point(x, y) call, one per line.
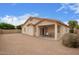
point(29, 29)
point(63, 30)
point(51, 30)
point(37, 33)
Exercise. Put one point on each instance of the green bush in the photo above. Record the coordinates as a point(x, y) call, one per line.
point(6, 26)
point(71, 31)
point(70, 40)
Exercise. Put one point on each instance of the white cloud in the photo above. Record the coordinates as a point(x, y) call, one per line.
point(73, 7)
point(17, 20)
point(66, 22)
point(61, 8)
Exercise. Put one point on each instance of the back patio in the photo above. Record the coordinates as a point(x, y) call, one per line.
point(20, 44)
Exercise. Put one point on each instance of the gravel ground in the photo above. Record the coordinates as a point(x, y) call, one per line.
point(20, 44)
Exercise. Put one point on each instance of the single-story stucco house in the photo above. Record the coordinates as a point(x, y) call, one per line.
point(35, 26)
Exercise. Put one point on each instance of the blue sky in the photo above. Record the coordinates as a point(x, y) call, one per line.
point(16, 13)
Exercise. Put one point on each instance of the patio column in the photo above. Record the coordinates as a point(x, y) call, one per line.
point(56, 29)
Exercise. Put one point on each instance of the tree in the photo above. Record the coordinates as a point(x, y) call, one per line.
point(18, 27)
point(72, 25)
point(77, 26)
point(6, 26)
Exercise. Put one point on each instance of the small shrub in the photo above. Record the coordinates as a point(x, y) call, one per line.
point(70, 40)
point(71, 31)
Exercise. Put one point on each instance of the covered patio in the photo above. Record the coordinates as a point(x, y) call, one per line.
point(51, 30)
